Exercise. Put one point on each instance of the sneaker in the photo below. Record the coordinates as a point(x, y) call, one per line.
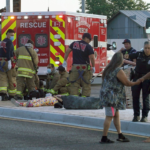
point(136, 119)
point(10, 97)
point(107, 141)
point(144, 119)
point(122, 138)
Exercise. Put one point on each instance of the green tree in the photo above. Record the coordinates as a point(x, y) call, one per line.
point(111, 7)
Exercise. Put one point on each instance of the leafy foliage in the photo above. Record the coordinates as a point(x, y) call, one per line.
point(111, 7)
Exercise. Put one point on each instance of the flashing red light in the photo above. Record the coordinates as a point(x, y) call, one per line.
point(12, 17)
point(60, 16)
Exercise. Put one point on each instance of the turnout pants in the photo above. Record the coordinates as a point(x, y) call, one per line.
point(30, 83)
point(7, 80)
point(136, 98)
point(36, 80)
point(85, 84)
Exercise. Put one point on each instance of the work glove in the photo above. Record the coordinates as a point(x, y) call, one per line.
point(45, 90)
point(93, 69)
point(64, 64)
point(9, 65)
point(52, 91)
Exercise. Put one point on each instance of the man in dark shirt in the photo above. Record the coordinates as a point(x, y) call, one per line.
point(81, 72)
point(142, 68)
point(127, 50)
point(7, 74)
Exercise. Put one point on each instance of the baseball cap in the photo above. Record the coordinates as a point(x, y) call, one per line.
point(87, 35)
point(126, 41)
point(61, 68)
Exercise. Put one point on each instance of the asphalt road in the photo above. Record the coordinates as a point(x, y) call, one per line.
point(24, 135)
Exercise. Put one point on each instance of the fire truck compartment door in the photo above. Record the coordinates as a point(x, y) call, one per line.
point(96, 38)
point(38, 31)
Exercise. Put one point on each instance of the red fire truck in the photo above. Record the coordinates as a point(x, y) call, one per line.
point(53, 32)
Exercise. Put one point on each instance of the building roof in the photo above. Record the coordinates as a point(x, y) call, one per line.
point(138, 16)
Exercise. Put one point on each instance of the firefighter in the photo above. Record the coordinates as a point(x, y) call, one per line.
point(52, 77)
point(27, 61)
point(7, 66)
point(62, 84)
point(81, 72)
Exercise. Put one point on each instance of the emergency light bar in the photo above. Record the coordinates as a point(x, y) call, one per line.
point(46, 16)
point(39, 17)
point(19, 17)
point(12, 17)
point(5, 17)
point(60, 16)
point(25, 17)
point(53, 16)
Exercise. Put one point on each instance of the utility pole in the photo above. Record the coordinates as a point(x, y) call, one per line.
point(83, 6)
point(7, 5)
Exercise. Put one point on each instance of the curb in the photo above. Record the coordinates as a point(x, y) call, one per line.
point(89, 122)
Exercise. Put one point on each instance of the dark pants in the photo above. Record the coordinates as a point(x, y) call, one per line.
point(136, 98)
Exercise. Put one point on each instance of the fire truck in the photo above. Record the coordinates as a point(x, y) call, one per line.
point(53, 32)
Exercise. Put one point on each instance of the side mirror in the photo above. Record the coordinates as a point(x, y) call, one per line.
point(37, 50)
point(109, 47)
point(148, 33)
point(114, 46)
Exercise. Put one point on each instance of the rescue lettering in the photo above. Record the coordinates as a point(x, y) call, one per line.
point(33, 25)
point(83, 23)
point(80, 46)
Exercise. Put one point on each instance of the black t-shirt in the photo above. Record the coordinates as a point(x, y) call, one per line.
point(130, 51)
point(142, 62)
point(81, 51)
point(8, 46)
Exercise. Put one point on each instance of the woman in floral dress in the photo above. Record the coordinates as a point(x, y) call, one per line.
point(112, 95)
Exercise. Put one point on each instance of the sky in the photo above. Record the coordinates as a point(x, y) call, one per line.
point(42, 5)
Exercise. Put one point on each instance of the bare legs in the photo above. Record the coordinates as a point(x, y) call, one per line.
point(107, 125)
point(116, 120)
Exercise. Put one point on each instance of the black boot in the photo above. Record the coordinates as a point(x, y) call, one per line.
point(16, 97)
point(144, 119)
point(105, 140)
point(136, 119)
point(4, 97)
point(10, 97)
